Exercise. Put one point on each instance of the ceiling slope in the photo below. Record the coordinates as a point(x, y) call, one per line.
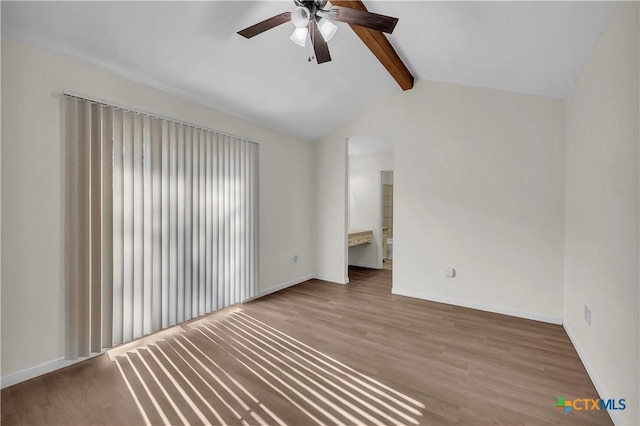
point(192, 49)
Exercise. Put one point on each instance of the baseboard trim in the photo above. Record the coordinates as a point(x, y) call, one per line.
point(284, 285)
point(39, 370)
point(56, 364)
point(331, 279)
point(479, 306)
point(591, 372)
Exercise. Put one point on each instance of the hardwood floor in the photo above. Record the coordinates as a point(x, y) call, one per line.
point(321, 353)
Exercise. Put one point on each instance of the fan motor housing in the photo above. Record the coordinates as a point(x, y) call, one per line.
point(312, 5)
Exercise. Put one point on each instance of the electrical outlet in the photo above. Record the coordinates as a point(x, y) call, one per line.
point(450, 272)
point(587, 315)
point(294, 259)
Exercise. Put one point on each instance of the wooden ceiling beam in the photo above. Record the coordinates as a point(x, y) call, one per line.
point(379, 45)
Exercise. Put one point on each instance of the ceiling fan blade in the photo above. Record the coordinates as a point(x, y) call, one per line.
point(363, 18)
point(265, 25)
point(380, 46)
point(320, 47)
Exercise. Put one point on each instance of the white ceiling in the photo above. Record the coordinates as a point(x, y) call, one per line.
point(192, 49)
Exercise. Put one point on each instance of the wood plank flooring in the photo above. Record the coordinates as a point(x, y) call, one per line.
point(321, 353)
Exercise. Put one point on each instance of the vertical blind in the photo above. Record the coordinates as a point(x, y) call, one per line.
point(161, 223)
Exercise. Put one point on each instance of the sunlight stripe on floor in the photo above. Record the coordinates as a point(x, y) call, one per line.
point(348, 375)
point(324, 378)
point(215, 392)
point(162, 389)
point(215, 377)
point(393, 391)
point(329, 394)
point(149, 393)
point(277, 379)
point(133, 394)
point(181, 390)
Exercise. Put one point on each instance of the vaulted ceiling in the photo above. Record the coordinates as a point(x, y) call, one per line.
point(192, 49)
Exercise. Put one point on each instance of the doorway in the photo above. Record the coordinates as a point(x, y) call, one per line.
point(369, 169)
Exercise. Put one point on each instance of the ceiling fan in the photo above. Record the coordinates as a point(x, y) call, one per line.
point(313, 21)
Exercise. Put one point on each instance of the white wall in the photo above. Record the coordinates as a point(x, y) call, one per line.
point(365, 203)
point(0, 208)
point(330, 204)
point(601, 224)
point(478, 186)
point(32, 207)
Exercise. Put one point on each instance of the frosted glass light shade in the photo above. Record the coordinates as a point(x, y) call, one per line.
point(300, 17)
point(327, 28)
point(299, 36)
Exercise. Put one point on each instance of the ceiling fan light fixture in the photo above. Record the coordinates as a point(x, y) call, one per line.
point(327, 29)
point(300, 17)
point(299, 36)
